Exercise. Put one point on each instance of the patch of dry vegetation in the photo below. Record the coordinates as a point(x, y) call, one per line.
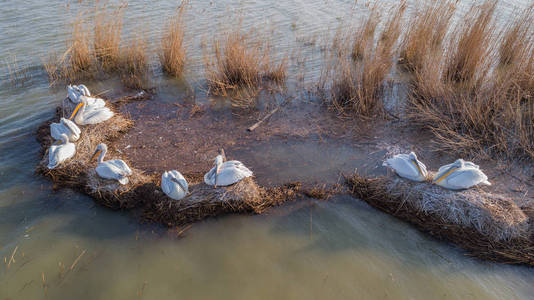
point(242, 62)
point(107, 36)
point(425, 34)
point(172, 55)
point(479, 98)
point(134, 66)
point(356, 85)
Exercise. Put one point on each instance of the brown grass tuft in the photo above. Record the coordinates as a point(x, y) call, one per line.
point(172, 55)
point(134, 63)
point(357, 85)
point(238, 62)
point(425, 33)
point(469, 53)
point(364, 36)
point(107, 36)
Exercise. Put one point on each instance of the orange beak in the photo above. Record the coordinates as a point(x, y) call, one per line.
point(76, 110)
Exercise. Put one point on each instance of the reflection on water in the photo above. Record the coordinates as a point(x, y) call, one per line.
point(69, 248)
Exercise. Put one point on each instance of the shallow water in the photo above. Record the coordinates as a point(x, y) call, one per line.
point(69, 248)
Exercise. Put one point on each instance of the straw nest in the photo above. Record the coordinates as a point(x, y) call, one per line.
point(489, 226)
point(143, 191)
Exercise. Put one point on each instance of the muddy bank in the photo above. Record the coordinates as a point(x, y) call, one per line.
point(143, 194)
point(299, 152)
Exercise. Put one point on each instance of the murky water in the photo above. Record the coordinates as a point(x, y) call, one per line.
point(59, 245)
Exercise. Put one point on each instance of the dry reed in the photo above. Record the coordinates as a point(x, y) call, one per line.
point(107, 36)
point(357, 85)
point(468, 58)
point(172, 55)
point(134, 63)
point(425, 33)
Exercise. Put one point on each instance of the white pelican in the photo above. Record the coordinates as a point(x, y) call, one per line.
point(75, 91)
point(460, 175)
point(407, 166)
point(67, 127)
point(226, 173)
point(60, 153)
point(174, 185)
point(111, 169)
point(84, 115)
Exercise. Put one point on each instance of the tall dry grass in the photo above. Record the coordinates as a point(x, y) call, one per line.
point(134, 64)
point(470, 51)
point(172, 55)
point(425, 34)
point(479, 100)
point(242, 62)
point(107, 36)
point(356, 85)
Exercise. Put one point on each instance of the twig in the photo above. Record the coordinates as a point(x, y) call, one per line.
point(76, 261)
point(12, 256)
point(251, 128)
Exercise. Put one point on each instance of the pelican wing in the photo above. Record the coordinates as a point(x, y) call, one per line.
point(171, 188)
point(231, 173)
point(95, 116)
point(121, 165)
point(404, 167)
point(94, 103)
point(57, 154)
point(466, 178)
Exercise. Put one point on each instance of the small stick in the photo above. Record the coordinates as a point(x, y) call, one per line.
point(76, 261)
point(251, 128)
point(12, 256)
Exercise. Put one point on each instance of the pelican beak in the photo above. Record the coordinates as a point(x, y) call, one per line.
point(97, 152)
point(417, 166)
point(445, 174)
point(76, 110)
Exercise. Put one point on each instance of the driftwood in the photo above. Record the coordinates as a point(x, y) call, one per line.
point(267, 116)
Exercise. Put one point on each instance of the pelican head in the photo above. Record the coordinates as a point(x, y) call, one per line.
point(83, 101)
point(459, 163)
point(100, 149)
point(65, 138)
point(84, 90)
point(219, 159)
point(420, 167)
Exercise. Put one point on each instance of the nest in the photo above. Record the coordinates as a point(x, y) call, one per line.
point(143, 191)
point(489, 226)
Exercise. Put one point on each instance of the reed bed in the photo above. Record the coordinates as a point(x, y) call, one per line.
point(134, 64)
point(107, 36)
point(475, 95)
point(172, 54)
point(242, 62)
point(355, 83)
point(488, 226)
point(425, 34)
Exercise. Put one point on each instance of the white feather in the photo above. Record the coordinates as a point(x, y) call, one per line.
point(407, 166)
point(65, 126)
point(115, 169)
point(460, 175)
point(58, 154)
point(230, 172)
point(174, 185)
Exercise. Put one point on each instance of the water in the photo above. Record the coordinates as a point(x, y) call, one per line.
point(69, 248)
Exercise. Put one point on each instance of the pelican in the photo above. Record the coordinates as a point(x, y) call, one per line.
point(460, 175)
point(407, 166)
point(60, 153)
point(174, 185)
point(226, 173)
point(84, 115)
point(111, 169)
point(75, 91)
point(67, 127)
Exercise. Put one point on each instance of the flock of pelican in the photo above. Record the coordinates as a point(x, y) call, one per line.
point(458, 175)
point(93, 110)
